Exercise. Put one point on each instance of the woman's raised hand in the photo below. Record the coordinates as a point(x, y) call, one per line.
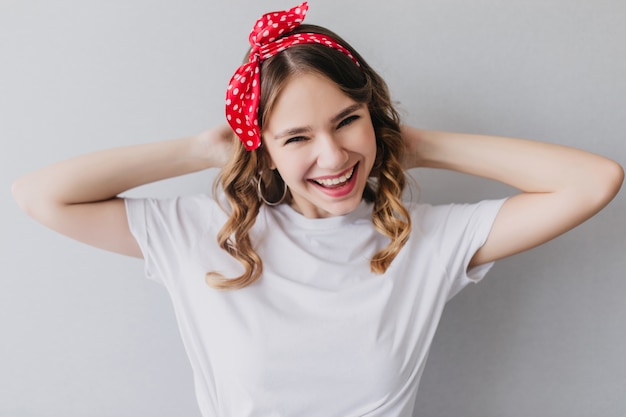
point(412, 141)
point(79, 197)
point(217, 144)
point(560, 186)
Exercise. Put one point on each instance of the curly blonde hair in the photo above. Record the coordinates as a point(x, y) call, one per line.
point(238, 179)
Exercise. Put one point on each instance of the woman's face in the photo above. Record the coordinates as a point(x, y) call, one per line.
point(323, 145)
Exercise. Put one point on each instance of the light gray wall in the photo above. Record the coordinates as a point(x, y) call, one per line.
point(83, 334)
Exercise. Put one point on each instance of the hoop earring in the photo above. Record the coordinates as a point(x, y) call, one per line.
point(262, 198)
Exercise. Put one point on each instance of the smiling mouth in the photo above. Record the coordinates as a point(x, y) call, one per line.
point(336, 182)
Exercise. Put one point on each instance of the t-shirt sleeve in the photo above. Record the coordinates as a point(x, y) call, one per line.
point(462, 229)
point(167, 230)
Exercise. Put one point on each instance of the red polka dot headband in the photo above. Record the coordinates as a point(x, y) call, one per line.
point(244, 90)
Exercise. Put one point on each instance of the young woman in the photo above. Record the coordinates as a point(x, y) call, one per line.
point(305, 286)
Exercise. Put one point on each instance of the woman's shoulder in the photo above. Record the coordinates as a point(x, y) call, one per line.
point(196, 209)
point(435, 217)
point(185, 201)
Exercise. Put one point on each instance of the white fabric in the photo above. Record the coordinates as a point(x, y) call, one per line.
point(318, 334)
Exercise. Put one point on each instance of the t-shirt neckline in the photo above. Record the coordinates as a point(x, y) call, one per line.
point(362, 211)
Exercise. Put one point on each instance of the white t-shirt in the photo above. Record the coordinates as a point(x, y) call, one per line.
point(318, 334)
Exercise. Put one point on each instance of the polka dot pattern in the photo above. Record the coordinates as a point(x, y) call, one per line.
point(244, 90)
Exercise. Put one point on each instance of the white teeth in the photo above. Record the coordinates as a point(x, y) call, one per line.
point(336, 181)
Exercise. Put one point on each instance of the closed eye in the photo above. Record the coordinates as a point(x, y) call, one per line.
point(295, 139)
point(348, 120)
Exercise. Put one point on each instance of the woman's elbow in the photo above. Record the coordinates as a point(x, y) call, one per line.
point(19, 194)
point(609, 178)
point(29, 195)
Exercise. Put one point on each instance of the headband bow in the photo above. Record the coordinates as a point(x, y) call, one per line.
point(244, 90)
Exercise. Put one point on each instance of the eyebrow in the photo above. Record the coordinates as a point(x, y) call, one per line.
point(299, 130)
point(345, 112)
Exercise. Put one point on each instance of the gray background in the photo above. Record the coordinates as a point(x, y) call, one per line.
point(83, 334)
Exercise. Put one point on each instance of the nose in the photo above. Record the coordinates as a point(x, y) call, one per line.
point(331, 155)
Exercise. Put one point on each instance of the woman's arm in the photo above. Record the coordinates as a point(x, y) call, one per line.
point(561, 187)
point(78, 197)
